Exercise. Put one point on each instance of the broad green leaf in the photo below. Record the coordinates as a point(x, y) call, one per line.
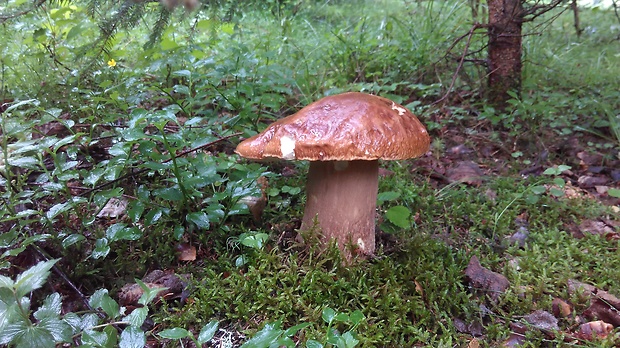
point(254, 240)
point(57, 209)
point(102, 249)
point(50, 308)
point(60, 330)
point(265, 337)
point(31, 337)
point(207, 332)
point(559, 181)
point(24, 162)
point(6, 282)
point(132, 337)
point(101, 299)
point(137, 316)
point(614, 192)
point(356, 317)
point(169, 193)
point(341, 317)
point(387, 196)
point(94, 338)
point(313, 344)
point(175, 333)
point(538, 189)
point(399, 216)
point(556, 192)
point(328, 315)
point(348, 341)
point(149, 293)
point(33, 278)
point(72, 239)
point(200, 219)
point(291, 331)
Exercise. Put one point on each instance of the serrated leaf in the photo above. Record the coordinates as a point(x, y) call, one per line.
point(101, 299)
point(132, 337)
point(33, 337)
point(94, 338)
point(313, 344)
point(6, 282)
point(399, 216)
point(175, 333)
point(137, 316)
point(33, 278)
point(50, 307)
point(60, 330)
point(207, 332)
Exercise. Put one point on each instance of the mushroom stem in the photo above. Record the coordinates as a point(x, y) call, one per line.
point(343, 197)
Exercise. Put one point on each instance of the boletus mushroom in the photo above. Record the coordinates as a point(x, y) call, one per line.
point(343, 136)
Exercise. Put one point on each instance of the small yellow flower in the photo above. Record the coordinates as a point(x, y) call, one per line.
point(111, 63)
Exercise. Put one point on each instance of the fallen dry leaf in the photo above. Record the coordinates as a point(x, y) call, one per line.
point(588, 181)
point(186, 252)
point(594, 330)
point(595, 227)
point(114, 208)
point(131, 293)
point(467, 172)
point(517, 335)
point(542, 320)
point(561, 308)
point(480, 278)
point(603, 305)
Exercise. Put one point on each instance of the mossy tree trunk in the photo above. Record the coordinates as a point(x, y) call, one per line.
point(504, 70)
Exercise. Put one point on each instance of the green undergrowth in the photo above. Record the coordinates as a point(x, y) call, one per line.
point(414, 289)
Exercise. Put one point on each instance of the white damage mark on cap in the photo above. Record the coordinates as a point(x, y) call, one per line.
point(401, 110)
point(287, 147)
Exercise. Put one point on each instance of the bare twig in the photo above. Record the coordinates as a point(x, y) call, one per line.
point(458, 68)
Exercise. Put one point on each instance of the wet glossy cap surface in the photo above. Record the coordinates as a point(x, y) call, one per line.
point(343, 127)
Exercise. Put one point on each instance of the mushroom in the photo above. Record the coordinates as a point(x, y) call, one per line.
point(343, 136)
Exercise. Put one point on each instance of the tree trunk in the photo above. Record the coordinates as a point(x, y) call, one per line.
point(505, 22)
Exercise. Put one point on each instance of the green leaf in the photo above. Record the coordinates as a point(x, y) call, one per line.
point(60, 331)
point(614, 192)
point(94, 338)
point(175, 333)
point(538, 189)
point(357, 317)
point(33, 278)
point(101, 249)
point(313, 344)
point(6, 282)
point(169, 193)
point(149, 294)
point(341, 317)
point(265, 337)
point(200, 219)
point(559, 181)
point(254, 240)
point(24, 162)
point(57, 209)
point(291, 331)
point(31, 337)
point(399, 216)
point(101, 299)
point(328, 315)
point(132, 337)
point(348, 340)
point(137, 316)
point(72, 239)
point(207, 332)
point(556, 192)
point(120, 231)
point(387, 196)
point(50, 308)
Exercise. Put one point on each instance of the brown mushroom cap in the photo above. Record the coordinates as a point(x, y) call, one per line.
point(343, 127)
